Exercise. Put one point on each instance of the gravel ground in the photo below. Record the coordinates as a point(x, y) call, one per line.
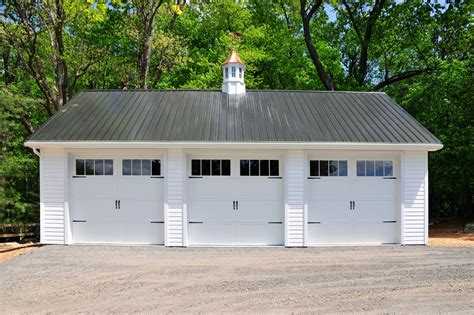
point(107, 279)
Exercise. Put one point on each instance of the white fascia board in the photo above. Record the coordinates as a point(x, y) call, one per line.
point(238, 145)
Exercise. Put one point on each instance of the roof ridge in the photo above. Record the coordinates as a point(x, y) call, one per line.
point(218, 90)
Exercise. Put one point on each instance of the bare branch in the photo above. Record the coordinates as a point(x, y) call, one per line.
point(401, 76)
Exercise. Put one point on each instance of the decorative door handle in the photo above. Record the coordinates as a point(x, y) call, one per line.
point(119, 204)
point(353, 205)
point(350, 205)
point(233, 205)
point(116, 204)
point(237, 205)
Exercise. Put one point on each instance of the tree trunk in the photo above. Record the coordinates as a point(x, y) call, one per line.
point(145, 55)
point(313, 53)
point(147, 10)
point(61, 66)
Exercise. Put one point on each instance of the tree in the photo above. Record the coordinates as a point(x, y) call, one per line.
point(146, 11)
point(307, 14)
point(363, 25)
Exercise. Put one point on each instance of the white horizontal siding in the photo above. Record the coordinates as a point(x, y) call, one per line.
point(294, 199)
point(174, 208)
point(52, 185)
point(415, 198)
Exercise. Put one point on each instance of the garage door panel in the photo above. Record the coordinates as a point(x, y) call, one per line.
point(381, 210)
point(374, 187)
point(212, 233)
point(139, 211)
point(95, 188)
point(96, 200)
point(211, 189)
point(202, 210)
point(259, 233)
point(138, 187)
point(374, 232)
point(235, 210)
point(329, 209)
point(351, 209)
point(260, 210)
point(329, 187)
point(95, 232)
point(330, 233)
point(94, 208)
point(140, 233)
point(259, 189)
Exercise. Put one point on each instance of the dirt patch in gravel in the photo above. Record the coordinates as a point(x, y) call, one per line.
point(106, 279)
point(10, 250)
point(450, 234)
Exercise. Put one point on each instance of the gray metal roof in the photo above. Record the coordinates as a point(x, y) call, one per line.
point(213, 116)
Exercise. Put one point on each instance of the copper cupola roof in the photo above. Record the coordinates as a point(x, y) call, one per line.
point(233, 58)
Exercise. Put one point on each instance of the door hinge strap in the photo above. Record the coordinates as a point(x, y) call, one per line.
point(276, 222)
point(82, 221)
point(274, 177)
point(314, 222)
point(389, 221)
point(390, 177)
point(195, 222)
point(78, 176)
point(313, 177)
point(195, 176)
point(157, 222)
point(157, 177)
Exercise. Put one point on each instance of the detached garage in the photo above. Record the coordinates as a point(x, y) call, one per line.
point(233, 168)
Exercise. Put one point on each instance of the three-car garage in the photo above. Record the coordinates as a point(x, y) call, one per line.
point(234, 167)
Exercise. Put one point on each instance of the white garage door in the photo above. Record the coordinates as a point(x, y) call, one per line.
point(117, 201)
point(352, 201)
point(235, 202)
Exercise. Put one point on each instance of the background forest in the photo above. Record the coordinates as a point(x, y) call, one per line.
point(418, 52)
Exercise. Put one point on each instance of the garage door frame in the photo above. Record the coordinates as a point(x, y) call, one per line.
point(117, 155)
point(355, 155)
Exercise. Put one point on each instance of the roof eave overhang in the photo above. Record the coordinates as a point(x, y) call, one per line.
point(235, 145)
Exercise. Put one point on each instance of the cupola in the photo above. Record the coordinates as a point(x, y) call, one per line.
point(233, 70)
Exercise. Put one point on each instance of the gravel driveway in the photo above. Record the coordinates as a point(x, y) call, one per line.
point(72, 279)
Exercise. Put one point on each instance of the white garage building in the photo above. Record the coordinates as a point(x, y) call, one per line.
point(233, 167)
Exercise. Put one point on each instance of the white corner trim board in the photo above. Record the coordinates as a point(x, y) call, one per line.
point(415, 198)
point(226, 197)
point(52, 196)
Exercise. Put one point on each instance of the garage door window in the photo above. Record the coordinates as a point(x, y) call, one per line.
point(259, 168)
point(374, 168)
point(328, 168)
point(139, 167)
point(94, 167)
point(210, 167)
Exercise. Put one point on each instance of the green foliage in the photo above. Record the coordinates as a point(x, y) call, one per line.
point(101, 50)
point(19, 177)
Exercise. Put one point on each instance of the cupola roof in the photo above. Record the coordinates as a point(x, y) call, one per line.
point(233, 58)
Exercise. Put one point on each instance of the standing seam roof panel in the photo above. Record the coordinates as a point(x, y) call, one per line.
point(213, 116)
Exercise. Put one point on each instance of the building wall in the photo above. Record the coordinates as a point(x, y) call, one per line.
point(54, 202)
point(414, 227)
point(52, 196)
